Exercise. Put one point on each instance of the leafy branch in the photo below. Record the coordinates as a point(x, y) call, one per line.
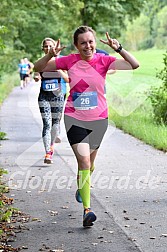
point(158, 96)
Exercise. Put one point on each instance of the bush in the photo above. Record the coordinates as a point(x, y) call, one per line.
point(146, 44)
point(158, 96)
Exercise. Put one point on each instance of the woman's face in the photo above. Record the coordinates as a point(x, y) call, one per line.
point(47, 45)
point(86, 45)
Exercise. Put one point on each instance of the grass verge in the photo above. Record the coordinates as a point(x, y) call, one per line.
point(8, 82)
point(129, 106)
point(143, 128)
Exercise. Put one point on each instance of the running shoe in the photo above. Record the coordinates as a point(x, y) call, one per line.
point(78, 196)
point(48, 158)
point(52, 150)
point(88, 217)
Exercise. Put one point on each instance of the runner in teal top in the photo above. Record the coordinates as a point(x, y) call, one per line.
point(23, 69)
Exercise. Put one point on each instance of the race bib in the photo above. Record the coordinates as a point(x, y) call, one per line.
point(50, 85)
point(85, 100)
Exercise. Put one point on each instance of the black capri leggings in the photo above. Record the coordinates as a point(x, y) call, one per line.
point(91, 132)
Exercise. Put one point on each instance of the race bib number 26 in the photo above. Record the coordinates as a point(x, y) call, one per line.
point(85, 100)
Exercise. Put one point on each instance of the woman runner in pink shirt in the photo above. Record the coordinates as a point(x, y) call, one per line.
point(86, 111)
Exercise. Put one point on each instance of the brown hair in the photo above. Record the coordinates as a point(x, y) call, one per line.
point(47, 39)
point(80, 30)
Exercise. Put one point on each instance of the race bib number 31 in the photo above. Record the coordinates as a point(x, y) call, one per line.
point(85, 100)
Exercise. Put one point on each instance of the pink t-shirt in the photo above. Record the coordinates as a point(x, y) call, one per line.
point(86, 100)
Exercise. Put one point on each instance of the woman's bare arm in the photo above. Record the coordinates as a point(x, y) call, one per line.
point(64, 75)
point(128, 62)
point(47, 63)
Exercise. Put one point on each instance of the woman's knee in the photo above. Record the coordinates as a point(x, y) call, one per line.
point(84, 163)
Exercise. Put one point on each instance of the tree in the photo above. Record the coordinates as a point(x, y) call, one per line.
point(149, 28)
point(30, 22)
point(3, 30)
point(137, 34)
point(158, 96)
point(109, 15)
point(151, 10)
point(161, 40)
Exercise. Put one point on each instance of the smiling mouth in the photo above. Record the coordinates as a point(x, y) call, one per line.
point(88, 51)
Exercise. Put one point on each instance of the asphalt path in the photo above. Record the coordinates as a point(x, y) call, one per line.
point(129, 192)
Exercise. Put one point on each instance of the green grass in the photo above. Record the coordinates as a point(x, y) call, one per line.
point(127, 95)
point(3, 135)
point(150, 61)
point(143, 128)
point(7, 83)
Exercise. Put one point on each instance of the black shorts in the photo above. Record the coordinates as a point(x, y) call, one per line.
point(23, 76)
point(91, 132)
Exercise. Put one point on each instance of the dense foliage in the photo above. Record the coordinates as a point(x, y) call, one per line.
point(23, 28)
point(158, 96)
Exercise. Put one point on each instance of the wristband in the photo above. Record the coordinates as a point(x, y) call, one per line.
point(119, 49)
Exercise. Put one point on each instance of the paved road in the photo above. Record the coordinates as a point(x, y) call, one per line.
point(129, 193)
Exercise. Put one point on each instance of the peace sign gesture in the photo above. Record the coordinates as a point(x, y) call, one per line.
point(55, 50)
point(113, 43)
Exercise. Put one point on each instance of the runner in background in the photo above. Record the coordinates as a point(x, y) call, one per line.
point(31, 67)
point(51, 103)
point(23, 69)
